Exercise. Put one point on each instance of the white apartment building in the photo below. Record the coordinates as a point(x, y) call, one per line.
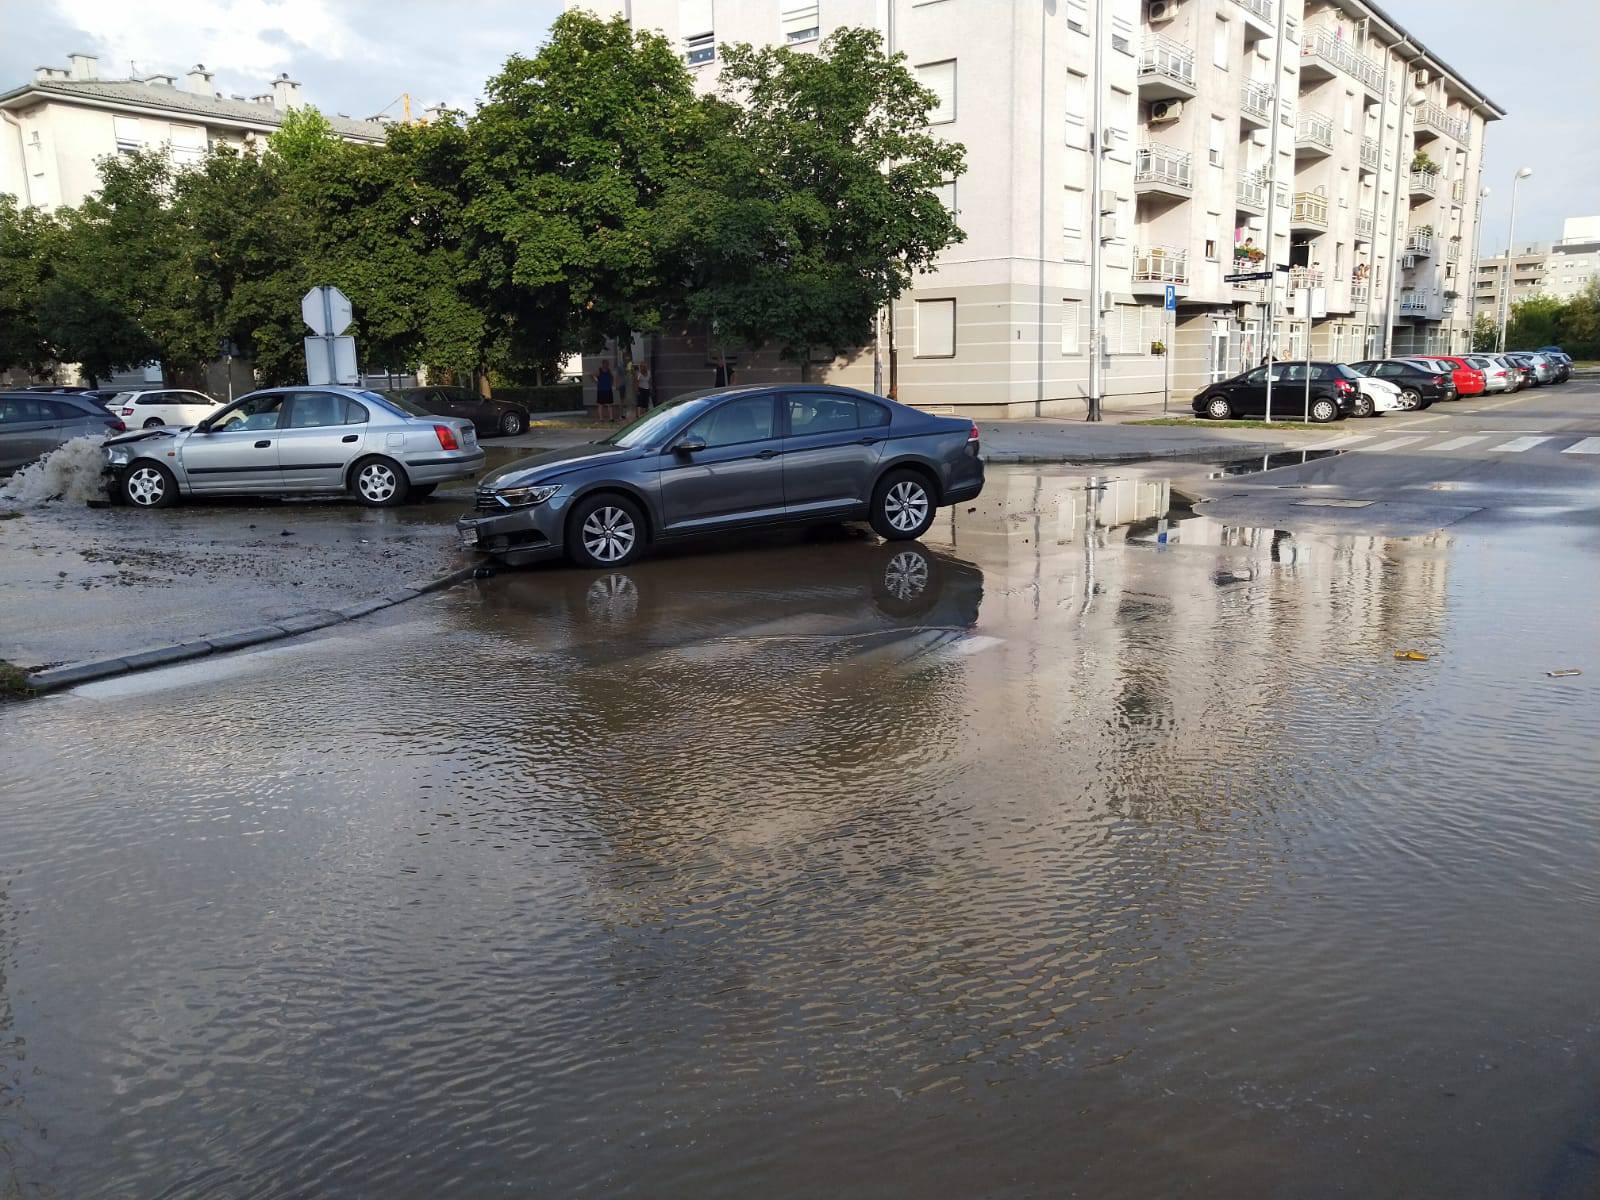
point(56, 128)
point(1561, 270)
point(1529, 263)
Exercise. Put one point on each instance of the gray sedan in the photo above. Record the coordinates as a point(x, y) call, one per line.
point(297, 440)
point(729, 458)
point(34, 423)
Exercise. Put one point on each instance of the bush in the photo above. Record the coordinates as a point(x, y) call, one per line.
point(555, 397)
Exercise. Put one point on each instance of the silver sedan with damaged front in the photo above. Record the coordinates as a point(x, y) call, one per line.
point(298, 441)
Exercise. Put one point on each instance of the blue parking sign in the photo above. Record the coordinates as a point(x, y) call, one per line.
point(1172, 297)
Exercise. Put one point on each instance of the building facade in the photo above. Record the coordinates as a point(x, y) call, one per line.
point(1560, 270)
point(55, 130)
point(1529, 269)
point(1367, 183)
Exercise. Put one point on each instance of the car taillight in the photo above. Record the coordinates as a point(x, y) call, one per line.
point(446, 436)
point(117, 426)
point(1439, 379)
point(972, 435)
point(1342, 386)
point(127, 412)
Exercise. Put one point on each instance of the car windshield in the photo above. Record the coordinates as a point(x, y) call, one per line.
point(648, 429)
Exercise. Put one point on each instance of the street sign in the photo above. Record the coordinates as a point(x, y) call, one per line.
point(1247, 277)
point(1172, 297)
point(326, 310)
point(337, 353)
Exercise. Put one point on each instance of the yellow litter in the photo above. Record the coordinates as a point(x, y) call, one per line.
point(1563, 672)
point(1411, 655)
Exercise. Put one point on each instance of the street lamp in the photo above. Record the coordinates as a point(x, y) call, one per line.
point(1511, 237)
point(1477, 256)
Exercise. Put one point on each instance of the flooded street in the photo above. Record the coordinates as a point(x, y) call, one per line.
point(1088, 847)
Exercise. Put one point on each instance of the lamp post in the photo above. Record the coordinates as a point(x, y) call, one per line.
point(1477, 255)
point(1511, 237)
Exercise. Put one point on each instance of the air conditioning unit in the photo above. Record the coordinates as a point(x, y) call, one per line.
point(1258, 137)
point(1110, 137)
point(1164, 111)
point(1419, 79)
point(1161, 10)
point(1108, 200)
point(1108, 229)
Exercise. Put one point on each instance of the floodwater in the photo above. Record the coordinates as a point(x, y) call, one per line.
point(1087, 848)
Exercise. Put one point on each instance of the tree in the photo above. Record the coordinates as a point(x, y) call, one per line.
point(26, 238)
point(811, 199)
point(1534, 322)
point(1485, 332)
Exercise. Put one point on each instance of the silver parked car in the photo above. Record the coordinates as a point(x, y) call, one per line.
point(297, 440)
point(34, 423)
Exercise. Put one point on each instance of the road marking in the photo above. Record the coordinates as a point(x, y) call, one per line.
point(1396, 443)
point(1589, 445)
point(1458, 443)
point(1518, 445)
point(1340, 443)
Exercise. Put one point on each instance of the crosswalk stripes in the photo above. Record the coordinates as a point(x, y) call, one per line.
point(1396, 443)
point(1518, 445)
point(1486, 441)
point(1342, 443)
point(1460, 442)
point(1589, 445)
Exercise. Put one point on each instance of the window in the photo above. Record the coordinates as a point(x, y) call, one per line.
point(1211, 250)
point(1219, 44)
point(946, 192)
point(1072, 327)
point(873, 416)
point(1072, 212)
point(130, 133)
point(800, 21)
point(940, 79)
point(745, 420)
point(1122, 35)
point(1123, 120)
point(1218, 136)
point(1077, 115)
point(936, 328)
point(697, 30)
point(315, 410)
point(355, 413)
point(1349, 112)
point(188, 144)
point(813, 413)
point(259, 413)
point(1078, 16)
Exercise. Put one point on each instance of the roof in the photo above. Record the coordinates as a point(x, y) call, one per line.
point(132, 94)
point(1495, 112)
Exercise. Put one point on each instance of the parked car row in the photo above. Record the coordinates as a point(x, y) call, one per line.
point(33, 423)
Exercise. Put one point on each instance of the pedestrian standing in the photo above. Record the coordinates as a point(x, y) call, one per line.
point(642, 387)
point(605, 392)
point(724, 376)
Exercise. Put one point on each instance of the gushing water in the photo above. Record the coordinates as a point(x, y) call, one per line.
point(73, 471)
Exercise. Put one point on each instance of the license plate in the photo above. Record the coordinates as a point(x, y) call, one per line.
point(469, 537)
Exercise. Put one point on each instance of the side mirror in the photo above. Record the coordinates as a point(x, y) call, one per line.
point(689, 445)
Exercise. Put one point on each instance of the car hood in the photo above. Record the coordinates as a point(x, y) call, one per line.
point(144, 435)
point(539, 468)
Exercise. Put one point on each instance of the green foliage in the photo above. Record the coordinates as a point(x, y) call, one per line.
point(1485, 333)
point(26, 247)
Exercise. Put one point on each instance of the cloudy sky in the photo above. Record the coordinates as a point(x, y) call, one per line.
point(1535, 58)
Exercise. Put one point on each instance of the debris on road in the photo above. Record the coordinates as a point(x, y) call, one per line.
point(1563, 672)
point(1411, 655)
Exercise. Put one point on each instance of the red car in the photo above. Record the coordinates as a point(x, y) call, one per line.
point(1468, 379)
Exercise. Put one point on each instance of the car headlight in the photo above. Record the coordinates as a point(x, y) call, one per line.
point(118, 456)
point(524, 496)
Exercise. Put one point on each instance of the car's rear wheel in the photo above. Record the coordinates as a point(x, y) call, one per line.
point(154, 423)
point(902, 506)
point(1362, 406)
point(605, 531)
point(1323, 411)
point(512, 423)
point(379, 483)
point(1218, 408)
point(1410, 399)
point(149, 485)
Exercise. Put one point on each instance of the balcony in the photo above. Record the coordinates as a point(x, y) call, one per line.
point(1421, 302)
point(1310, 211)
point(1360, 290)
point(1424, 182)
point(1364, 227)
point(1162, 171)
point(1323, 52)
point(1458, 192)
point(1253, 193)
point(1452, 250)
point(1433, 118)
point(1156, 266)
point(1305, 277)
point(1166, 69)
point(1420, 242)
point(1313, 135)
point(1255, 104)
point(1261, 10)
point(1369, 154)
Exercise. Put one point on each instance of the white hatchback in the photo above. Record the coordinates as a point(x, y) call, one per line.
point(1378, 395)
point(172, 406)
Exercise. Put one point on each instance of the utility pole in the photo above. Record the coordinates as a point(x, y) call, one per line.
point(1396, 244)
point(1269, 333)
point(1477, 256)
point(1511, 238)
point(1096, 183)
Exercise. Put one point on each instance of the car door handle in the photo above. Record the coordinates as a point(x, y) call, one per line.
point(350, 437)
point(769, 453)
point(869, 441)
point(263, 445)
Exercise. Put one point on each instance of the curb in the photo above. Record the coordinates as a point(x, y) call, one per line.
point(293, 625)
point(1197, 453)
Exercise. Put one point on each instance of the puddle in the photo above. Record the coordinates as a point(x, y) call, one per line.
point(1270, 462)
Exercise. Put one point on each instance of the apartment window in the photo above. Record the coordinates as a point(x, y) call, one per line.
point(1122, 120)
point(1211, 250)
point(1219, 130)
point(1078, 16)
point(1077, 117)
point(1338, 260)
point(1072, 213)
point(1349, 112)
point(946, 192)
point(130, 133)
point(695, 25)
point(1122, 35)
point(936, 328)
point(800, 22)
point(1072, 327)
point(1219, 44)
point(188, 144)
point(940, 79)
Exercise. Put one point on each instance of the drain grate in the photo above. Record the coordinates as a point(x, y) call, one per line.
point(1332, 503)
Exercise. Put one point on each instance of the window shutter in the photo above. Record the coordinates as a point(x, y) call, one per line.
point(936, 328)
point(697, 31)
point(800, 21)
point(940, 79)
point(1072, 326)
point(130, 133)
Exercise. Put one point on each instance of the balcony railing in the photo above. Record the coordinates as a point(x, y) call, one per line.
point(1360, 289)
point(1364, 226)
point(1452, 250)
point(1163, 58)
point(1458, 191)
point(1305, 277)
point(1418, 300)
point(1156, 163)
point(1161, 264)
point(1436, 117)
point(1419, 241)
point(1325, 44)
point(1260, 8)
point(1256, 100)
point(1316, 128)
point(1369, 152)
point(1424, 182)
point(1252, 191)
point(1310, 209)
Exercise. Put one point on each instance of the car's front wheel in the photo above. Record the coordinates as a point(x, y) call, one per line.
point(1410, 399)
point(512, 423)
point(1323, 411)
point(1218, 408)
point(379, 483)
point(149, 485)
point(1362, 406)
point(902, 506)
point(605, 531)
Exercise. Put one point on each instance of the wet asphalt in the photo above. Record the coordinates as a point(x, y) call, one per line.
point(1096, 844)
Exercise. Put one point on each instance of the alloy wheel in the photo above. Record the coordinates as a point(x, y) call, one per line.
point(609, 534)
point(146, 487)
point(906, 505)
point(511, 424)
point(1323, 410)
point(377, 482)
point(906, 576)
